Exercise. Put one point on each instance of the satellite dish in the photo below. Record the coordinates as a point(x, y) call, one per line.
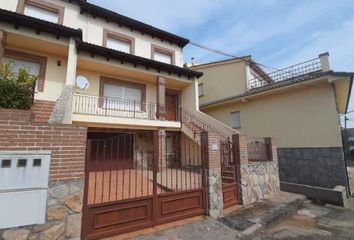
point(82, 82)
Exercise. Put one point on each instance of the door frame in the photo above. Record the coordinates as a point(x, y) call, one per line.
point(177, 95)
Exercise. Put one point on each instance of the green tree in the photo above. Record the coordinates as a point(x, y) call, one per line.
point(16, 88)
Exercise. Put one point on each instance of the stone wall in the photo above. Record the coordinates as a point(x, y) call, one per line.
point(63, 220)
point(351, 179)
point(320, 167)
point(259, 181)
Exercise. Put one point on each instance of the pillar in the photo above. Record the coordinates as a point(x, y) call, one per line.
point(2, 43)
point(160, 98)
point(324, 59)
point(212, 162)
point(63, 108)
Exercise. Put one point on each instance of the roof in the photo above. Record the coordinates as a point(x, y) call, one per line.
point(39, 25)
point(275, 85)
point(109, 15)
point(246, 58)
point(136, 60)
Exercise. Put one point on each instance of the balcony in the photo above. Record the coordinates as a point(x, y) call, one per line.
point(298, 72)
point(103, 110)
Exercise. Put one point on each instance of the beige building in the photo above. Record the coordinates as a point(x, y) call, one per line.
point(299, 106)
point(114, 139)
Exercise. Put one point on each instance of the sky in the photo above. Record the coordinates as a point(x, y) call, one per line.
point(277, 33)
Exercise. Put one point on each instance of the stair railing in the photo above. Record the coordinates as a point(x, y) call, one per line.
point(188, 118)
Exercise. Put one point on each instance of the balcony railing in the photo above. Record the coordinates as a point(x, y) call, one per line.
point(303, 69)
point(113, 107)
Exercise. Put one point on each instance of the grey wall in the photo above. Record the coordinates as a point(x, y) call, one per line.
point(320, 167)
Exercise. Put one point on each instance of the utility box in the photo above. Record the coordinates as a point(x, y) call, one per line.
point(23, 188)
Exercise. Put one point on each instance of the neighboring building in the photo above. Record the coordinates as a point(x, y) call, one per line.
point(348, 135)
point(299, 106)
point(114, 138)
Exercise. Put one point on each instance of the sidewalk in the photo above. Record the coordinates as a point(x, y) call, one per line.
point(244, 223)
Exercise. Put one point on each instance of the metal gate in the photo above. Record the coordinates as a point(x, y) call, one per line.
point(140, 179)
point(229, 173)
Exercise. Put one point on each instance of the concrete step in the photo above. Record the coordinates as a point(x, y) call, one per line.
point(249, 221)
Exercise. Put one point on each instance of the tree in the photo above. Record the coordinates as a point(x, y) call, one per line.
point(16, 88)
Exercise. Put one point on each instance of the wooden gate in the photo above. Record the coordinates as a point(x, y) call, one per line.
point(229, 174)
point(141, 179)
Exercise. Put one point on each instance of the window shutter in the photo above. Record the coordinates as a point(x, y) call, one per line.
point(163, 57)
point(41, 13)
point(235, 119)
point(119, 45)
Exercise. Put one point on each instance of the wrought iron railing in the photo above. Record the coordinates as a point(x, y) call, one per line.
point(259, 150)
point(298, 70)
point(199, 125)
point(114, 107)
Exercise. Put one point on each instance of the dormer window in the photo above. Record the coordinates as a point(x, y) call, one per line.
point(162, 55)
point(118, 42)
point(42, 10)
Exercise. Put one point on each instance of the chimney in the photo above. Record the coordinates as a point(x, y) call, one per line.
point(192, 61)
point(324, 59)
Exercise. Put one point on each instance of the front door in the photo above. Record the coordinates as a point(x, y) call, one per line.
point(171, 106)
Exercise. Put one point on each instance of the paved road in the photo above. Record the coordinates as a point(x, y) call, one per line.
point(315, 222)
point(311, 222)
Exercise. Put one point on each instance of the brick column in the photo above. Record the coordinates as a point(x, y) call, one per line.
point(2, 43)
point(212, 162)
point(270, 142)
point(160, 98)
point(240, 146)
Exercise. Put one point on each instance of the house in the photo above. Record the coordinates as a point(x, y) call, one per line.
point(299, 106)
point(114, 141)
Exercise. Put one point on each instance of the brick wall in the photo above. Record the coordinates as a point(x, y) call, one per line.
point(42, 110)
point(67, 143)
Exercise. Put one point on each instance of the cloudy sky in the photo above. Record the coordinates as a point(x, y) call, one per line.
point(277, 33)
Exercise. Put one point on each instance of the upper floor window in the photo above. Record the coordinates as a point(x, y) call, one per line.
point(118, 42)
point(200, 89)
point(235, 120)
point(162, 54)
point(43, 10)
point(36, 65)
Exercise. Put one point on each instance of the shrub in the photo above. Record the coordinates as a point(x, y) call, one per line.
point(16, 88)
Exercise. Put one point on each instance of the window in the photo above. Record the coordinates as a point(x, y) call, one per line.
point(41, 13)
point(43, 10)
point(32, 67)
point(235, 120)
point(162, 55)
point(200, 89)
point(118, 45)
point(36, 65)
point(118, 41)
point(122, 95)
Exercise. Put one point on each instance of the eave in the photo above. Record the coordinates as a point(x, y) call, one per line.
point(135, 60)
point(278, 86)
point(20, 20)
point(111, 16)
